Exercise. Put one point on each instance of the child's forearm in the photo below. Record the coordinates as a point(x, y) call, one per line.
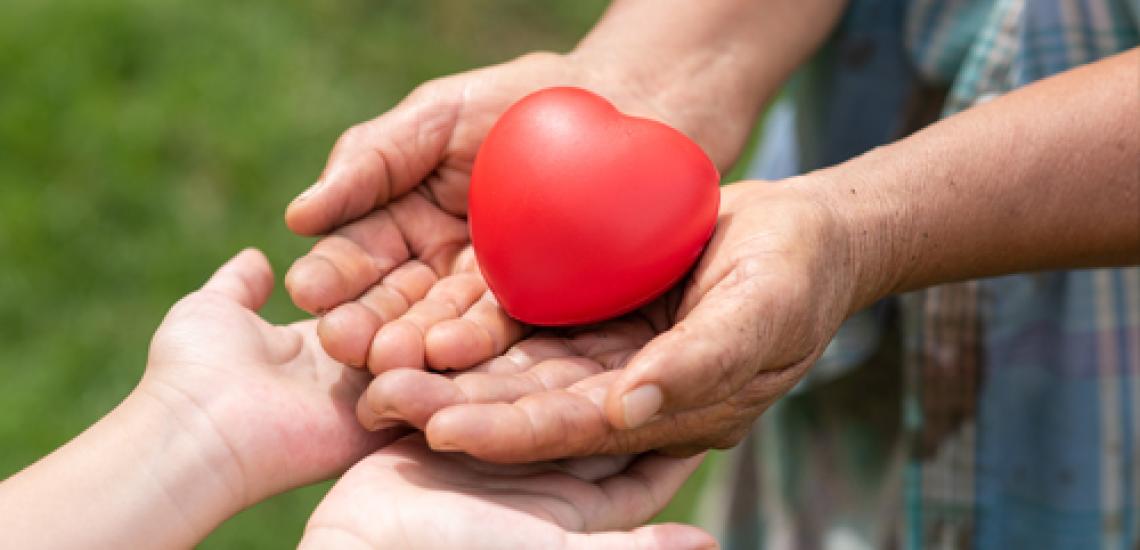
point(138, 478)
point(1046, 177)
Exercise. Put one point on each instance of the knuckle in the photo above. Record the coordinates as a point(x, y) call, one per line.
point(353, 134)
point(726, 441)
point(427, 90)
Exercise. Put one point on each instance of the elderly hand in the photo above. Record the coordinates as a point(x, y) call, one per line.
point(406, 496)
point(395, 192)
point(691, 371)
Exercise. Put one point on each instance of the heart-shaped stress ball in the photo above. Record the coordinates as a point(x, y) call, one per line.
point(579, 213)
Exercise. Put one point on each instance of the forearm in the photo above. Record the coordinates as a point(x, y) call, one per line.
point(1046, 177)
point(709, 66)
point(132, 480)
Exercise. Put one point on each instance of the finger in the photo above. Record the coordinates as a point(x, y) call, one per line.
point(413, 396)
point(666, 536)
point(377, 161)
point(593, 468)
point(642, 490)
point(482, 332)
point(703, 359)
point(382, 405)
point(610, 345)
point(613, 343)
point(526, 354)
point(400, 343)
point(437, 237)
point(542, 426)
point(247, 279)
point(347, 331)
point(343, 265)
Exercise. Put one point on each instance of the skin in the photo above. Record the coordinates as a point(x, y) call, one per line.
point(381, 503)
point(394, 277)
point(547, 397)
point(1042, 178)
point(232, 410)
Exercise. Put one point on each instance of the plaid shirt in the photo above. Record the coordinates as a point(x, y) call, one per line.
point(997, 413)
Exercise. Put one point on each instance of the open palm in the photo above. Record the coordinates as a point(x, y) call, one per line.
point(406, 496)
point(759, 309)
point(395, 191)
point(269, 395)
point(548, 390)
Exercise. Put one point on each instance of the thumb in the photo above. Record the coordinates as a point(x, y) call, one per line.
point(247, 279)
point(702, 359)
point(376, 161)
point(667, 536)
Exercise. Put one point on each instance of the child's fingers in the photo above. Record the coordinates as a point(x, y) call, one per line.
point(247, 279)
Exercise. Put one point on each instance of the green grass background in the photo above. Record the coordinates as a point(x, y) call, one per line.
point(143, 142)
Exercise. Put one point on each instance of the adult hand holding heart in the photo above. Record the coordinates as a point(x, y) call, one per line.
point(579, 213)
point(689, 371)
point(394, 276)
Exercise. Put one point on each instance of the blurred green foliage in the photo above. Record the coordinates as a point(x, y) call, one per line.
point(143, 142)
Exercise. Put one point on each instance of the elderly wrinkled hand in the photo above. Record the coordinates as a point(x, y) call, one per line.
point(398, 261)
point(691, 371)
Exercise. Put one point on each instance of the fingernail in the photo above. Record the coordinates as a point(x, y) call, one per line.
point(384, 423)
point(444, 445)
point(640, 404)
point(309, 192)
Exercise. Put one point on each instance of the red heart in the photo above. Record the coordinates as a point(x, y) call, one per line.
point(580, 213)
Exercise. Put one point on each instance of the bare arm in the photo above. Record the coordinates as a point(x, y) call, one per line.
point(1046, 177)
point(1043, 178)
point(395, 281)
point(134, 480)
point(710, 65)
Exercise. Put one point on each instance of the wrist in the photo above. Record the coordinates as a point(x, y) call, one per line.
point(200, 459)
point(673, 95)
point(191, 468)
point(134, 478)
point(870, 225)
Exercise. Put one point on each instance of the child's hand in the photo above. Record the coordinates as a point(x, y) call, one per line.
point(406, 496)
point(230, 411)
point(266, 400)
